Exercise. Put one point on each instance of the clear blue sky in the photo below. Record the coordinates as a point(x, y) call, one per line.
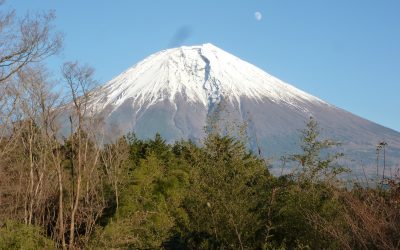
point(346, 52)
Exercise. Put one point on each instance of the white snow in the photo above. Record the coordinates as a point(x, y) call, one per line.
point(202, 74)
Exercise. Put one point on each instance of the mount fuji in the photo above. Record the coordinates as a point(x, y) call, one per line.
point(174, 91)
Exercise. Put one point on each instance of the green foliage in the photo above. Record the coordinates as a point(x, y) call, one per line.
point(15, 235)
point(309, 196)
point(150, 202)
point(300, 207)
point(227, 190)
point(316, 162)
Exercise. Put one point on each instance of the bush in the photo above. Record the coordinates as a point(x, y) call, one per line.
point(20, 236)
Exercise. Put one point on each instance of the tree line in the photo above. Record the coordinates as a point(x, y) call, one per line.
point(80, 193)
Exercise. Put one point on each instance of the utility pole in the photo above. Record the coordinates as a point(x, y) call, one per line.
point(383, 144)
point(378, 149)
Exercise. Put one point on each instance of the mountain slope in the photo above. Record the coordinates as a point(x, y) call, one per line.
point(175, 90)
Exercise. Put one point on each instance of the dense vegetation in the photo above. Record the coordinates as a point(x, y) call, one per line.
point(146, 194)
point(79, 193)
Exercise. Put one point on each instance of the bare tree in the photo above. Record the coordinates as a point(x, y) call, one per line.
point(27, 162)
point(25, 41)
point(84, 153)
point(114, 158)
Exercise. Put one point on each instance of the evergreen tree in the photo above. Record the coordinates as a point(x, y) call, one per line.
point(316, 160)
point(227, 185)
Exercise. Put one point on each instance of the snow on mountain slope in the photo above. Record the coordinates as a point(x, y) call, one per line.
point(173, 92)
point(202, 74)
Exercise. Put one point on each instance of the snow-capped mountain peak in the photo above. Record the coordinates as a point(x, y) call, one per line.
point(202, 74)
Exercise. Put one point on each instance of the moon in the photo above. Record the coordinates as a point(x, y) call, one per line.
point(258, 15)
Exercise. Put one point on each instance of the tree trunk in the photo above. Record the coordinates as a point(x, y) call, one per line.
point(73, 212)
point(61, 230)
